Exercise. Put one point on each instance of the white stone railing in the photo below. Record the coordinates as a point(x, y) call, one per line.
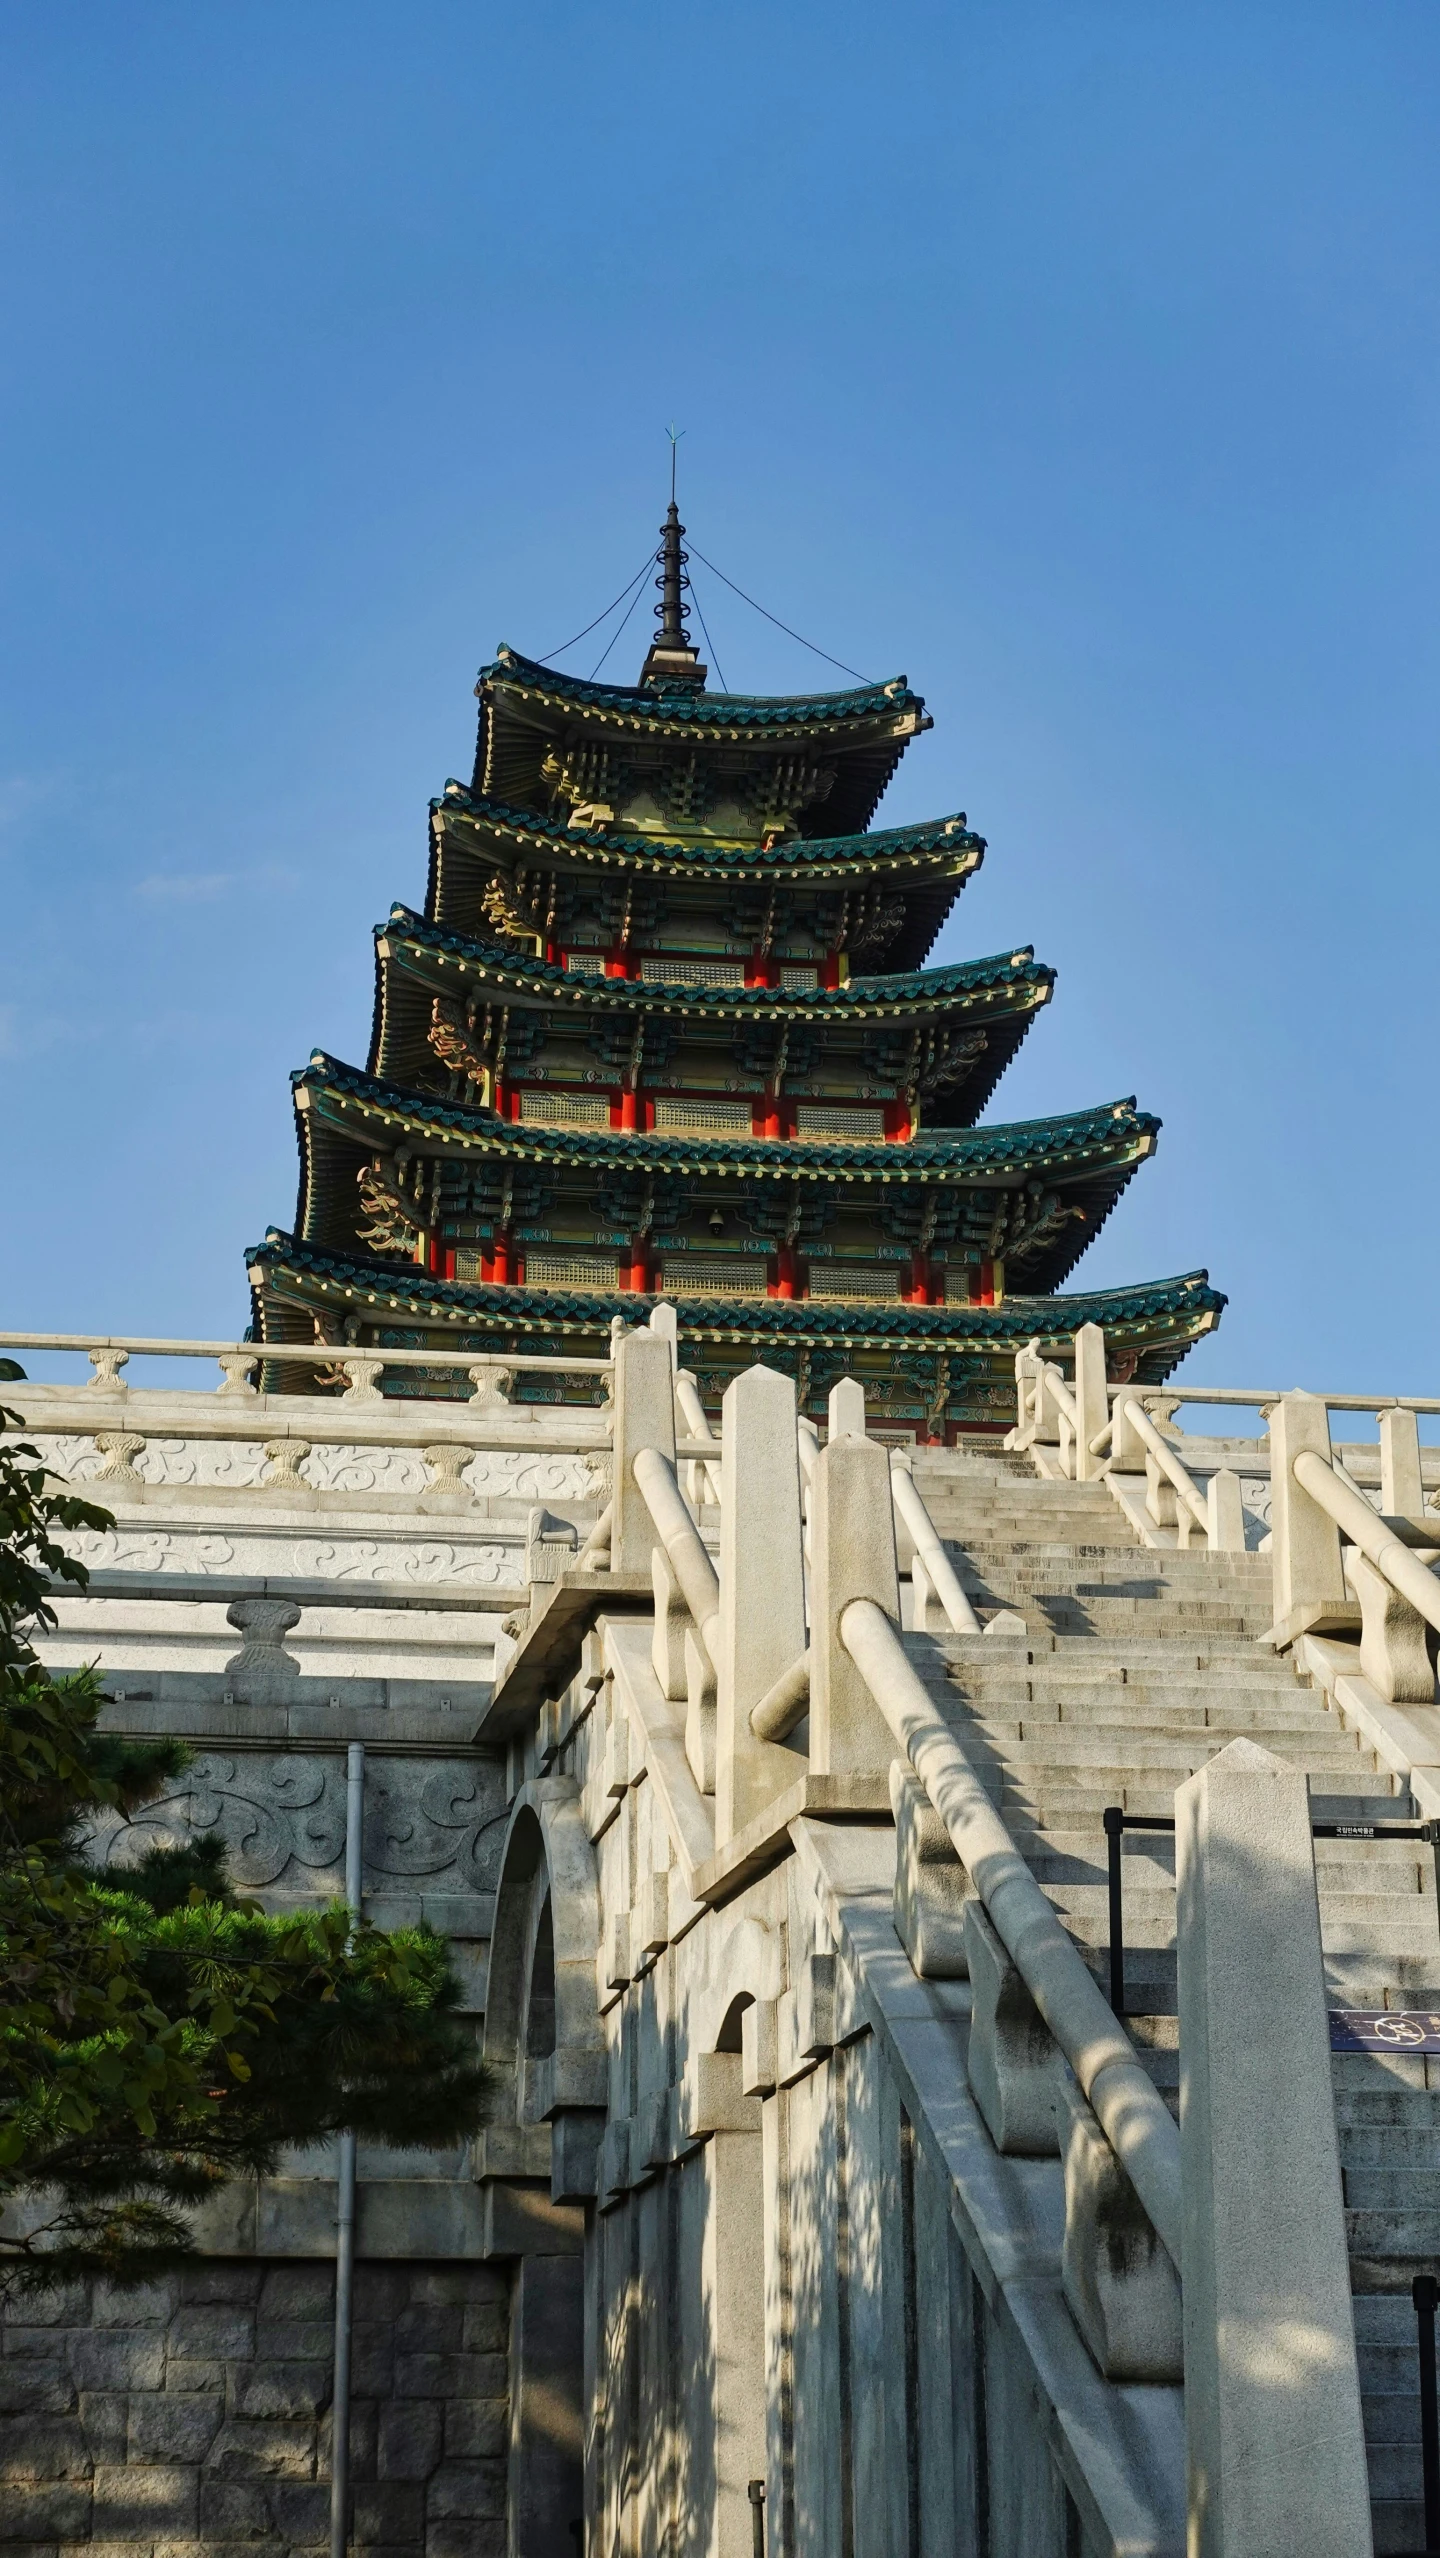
point(360, 1497)
point(1083, 1429)
point(1354, 1557)
point(1352, 1539)
point(786, 1671)
point(490, 1372)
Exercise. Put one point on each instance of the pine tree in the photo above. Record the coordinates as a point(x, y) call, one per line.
point(163, 2035)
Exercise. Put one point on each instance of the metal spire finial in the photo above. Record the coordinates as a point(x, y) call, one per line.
point(672, 658)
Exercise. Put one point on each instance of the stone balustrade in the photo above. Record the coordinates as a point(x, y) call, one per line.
point(807, 2108)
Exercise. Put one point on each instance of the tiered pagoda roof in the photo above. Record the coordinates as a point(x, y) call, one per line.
point(665, 1025)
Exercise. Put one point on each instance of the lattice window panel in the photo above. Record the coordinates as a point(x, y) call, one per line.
point(735, 1278)
point(663, 971)
point(569, 1270)
point(797, 980)
point(584, 963)
point(863, 1127)
point(854, 1279)
point(730, 1118)
point(566, 1109)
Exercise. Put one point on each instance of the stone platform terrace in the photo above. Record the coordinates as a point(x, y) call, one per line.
point(787, 2181)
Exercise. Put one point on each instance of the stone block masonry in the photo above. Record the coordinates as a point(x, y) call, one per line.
point(195, 2415)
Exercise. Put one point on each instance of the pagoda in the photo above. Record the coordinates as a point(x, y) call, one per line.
point(665, 1028)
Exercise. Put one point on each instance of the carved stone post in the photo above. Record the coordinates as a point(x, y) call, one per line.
point(1272, 2395)
point(644, 1418)
point(1225, 1513)
point(1127, 1449)
point(283, 1460)
point(762, 1590)
point(1394, 1638)
point(1091, 1404)
point(846, 1409)
point(120, 1448)
point(853, 1548)
point(1402, 1490)
point(237, 1368)
point(492, 1386)
point(1310, 1592)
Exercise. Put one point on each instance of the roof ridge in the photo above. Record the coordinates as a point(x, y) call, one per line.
point(510, 665)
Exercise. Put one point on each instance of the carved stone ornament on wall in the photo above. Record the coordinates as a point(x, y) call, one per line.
point(518, 1474)
point(302, 1558)
point(283, 1821)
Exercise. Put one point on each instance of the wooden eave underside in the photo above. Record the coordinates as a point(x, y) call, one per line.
point(460, 872)
point(504, 837)
point(520, 726)
point(381, 1115)
point(339, 1133)
point(410, 976)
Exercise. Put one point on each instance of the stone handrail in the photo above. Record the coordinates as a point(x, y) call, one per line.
point(1183, 1483)
point(695, 1573)
point(1135, 2119)
point(109, 1352)
point(1374, 1535)
point(931, 1553)
point(692, 1419)
point(785, 1704)
point(594, 1555)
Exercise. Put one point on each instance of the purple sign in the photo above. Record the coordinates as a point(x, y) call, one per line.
point(1387, 2029)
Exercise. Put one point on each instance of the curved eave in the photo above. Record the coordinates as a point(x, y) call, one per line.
point(678, 710)
point(488, 831)
point(440, 963)
point(1088, 1163)
point(526, 709)
point(455, 896)
point(415, 963)
point(1114, 1132)
point(1159, 1319)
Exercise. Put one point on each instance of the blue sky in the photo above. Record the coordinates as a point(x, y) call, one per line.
point(1078, 360)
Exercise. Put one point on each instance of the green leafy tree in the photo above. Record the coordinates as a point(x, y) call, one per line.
point(161, 2035)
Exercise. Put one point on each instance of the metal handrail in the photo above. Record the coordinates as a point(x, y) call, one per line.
point(1117, 1821)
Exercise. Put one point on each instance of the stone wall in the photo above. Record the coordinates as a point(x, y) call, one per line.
point(195, 2415)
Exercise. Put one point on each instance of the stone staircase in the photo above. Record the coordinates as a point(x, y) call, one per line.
point(1139, 1665)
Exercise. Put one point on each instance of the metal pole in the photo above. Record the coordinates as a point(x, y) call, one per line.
point(1114, 1828)
point(345, 2195)
point(1430, 1833)
point(1425, 2292)
point(756, 2494)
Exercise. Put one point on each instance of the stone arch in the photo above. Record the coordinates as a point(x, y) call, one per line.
point(545, 2050)
point(544, 2044)
point(747, 1968)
